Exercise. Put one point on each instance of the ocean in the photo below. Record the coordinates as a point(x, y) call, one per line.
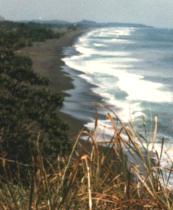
point(127, 70)
point(130, 69)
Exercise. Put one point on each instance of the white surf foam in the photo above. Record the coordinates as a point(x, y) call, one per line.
point(113, 32)
point(93, 62)
point(87, 51)
point(136, 87)
point(116, 64)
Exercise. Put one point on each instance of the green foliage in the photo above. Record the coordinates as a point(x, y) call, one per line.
point(28, 110)
point(19, 68)
point(18, 35)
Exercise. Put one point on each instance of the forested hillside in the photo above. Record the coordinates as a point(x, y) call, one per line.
point(28, 110)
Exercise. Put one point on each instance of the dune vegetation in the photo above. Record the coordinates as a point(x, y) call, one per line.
point(42, 169)
point(91, 176)
point(28, 107)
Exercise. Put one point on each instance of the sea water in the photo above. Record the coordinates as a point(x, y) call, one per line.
point(130, 69)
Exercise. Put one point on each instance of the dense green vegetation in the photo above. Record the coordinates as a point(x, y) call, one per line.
point(28, 110)
point(17, 35)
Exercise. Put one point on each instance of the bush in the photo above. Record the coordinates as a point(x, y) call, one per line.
point(28, 110)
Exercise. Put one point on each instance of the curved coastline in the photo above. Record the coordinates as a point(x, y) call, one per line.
point(47, 61)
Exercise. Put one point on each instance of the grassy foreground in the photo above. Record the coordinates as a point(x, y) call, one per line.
point(91, 176)
point(40, 170)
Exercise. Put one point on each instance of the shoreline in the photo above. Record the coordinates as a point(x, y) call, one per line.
point(47, 61)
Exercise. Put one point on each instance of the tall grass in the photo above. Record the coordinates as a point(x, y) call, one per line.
point(124, 174)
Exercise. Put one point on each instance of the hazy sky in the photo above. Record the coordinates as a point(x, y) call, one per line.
point(151, 12)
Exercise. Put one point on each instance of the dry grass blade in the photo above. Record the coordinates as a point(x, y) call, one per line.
point(85, 158)
point(94, 176)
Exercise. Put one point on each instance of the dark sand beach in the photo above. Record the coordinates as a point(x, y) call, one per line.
point(47, 62)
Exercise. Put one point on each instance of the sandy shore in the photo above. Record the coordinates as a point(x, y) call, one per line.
point(46, 57)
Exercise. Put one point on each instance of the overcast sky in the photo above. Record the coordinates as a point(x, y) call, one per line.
point(150, 12)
